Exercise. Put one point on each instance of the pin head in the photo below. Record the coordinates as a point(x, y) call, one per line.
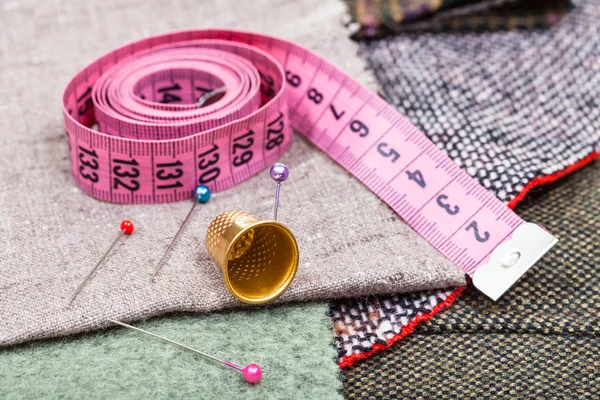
point(279, 172)
point(252, 373)
point(127, 227)
point(202, 194)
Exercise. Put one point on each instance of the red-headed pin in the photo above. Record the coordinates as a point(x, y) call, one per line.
point(251, 372)
point(126, 228)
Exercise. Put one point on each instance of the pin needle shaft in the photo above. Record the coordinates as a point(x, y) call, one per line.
point(162, 260)
point(95, 267)
point(277, 200)
point(177, 344)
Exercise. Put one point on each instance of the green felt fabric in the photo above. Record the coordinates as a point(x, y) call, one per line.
point(293, 345)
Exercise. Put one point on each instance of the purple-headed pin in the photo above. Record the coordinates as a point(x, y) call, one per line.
point(251, 372)
point(279, 173)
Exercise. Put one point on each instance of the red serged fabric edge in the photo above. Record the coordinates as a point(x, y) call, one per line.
point(546, 179)
point(407, 330)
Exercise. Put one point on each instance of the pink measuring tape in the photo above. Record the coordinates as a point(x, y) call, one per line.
point(155, 143)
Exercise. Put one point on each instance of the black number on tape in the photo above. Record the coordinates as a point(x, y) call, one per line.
point(452, 210)
point(481, 239)
point(209, 176)
point(91, 162)
point(86, 99)
point(165, 174)
point(417, 177)
point(132, 186)
point(90, 177)
point(335, 114)
point(119, 170)
point(266, 85)
point(131, 172)
point(237, 144)
point(204, 161)
point(275, 133)
point(359, 127)
point(390, 153)
point(292, 79)
point(168, 96)
point(213, 173)
point(315, 96)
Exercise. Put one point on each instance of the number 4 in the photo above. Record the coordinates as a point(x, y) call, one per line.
point(417, 177)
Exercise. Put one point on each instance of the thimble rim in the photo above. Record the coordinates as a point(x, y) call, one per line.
point(289, 278)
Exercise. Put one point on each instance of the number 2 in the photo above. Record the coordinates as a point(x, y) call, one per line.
point(481, 239)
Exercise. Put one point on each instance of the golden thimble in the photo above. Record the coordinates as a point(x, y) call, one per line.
point(258, 258)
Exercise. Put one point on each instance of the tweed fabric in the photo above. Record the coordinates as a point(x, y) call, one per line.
point(480, 366)
point(507, 106)
point(561, 295)
point(540, 340)
point(510, 108)
point(52, 233)
point(378, 19)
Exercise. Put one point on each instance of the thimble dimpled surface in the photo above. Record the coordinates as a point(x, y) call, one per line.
point(258, 258)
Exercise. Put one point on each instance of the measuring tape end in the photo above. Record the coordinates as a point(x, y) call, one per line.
point(511, 259)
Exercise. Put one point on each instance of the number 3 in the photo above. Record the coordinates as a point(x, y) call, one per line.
point(452, 210)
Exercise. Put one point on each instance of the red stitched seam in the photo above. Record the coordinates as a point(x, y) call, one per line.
point(406, 330)
point(535, 182)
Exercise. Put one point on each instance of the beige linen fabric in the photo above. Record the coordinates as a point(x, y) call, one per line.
point(51, 233)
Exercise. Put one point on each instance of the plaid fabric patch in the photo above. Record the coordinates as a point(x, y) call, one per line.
point(377, 18)
point(515, 109)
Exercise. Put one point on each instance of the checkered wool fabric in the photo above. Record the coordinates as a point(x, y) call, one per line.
point(540, 340)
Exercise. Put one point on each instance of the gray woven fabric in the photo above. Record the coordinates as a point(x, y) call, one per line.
point(52, 233)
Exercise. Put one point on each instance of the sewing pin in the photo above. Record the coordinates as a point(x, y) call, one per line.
point(279, 173)
point(201, 195)
point(251, 372)
point(126, 228)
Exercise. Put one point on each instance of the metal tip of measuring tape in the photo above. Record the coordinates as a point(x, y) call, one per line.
point(207, 96)
point(512, 258)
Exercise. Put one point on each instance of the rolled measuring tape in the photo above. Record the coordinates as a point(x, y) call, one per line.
point(137, 134)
